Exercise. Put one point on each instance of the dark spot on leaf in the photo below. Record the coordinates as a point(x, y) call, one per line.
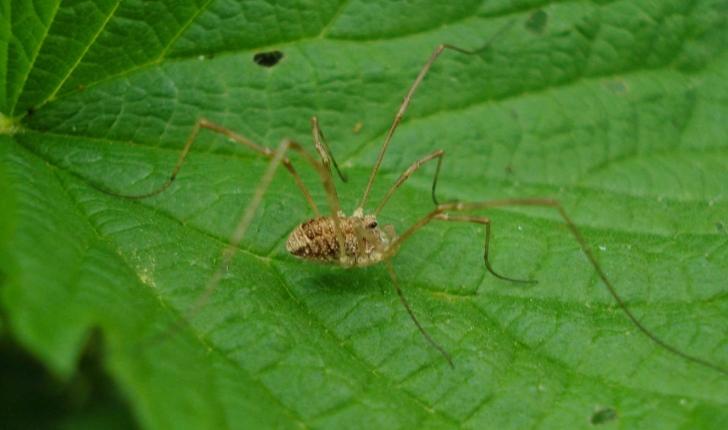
point(536, 23)
point(617, 87)
point(720, 227)
point(268, 59)
point(603, 416)
point(589, 26)
point(31, 111)
point(80, 87)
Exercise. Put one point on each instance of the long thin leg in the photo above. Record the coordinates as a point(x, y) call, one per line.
point(203, 123)
point(486, 221)
point(442, 209)
point(325, 144)
point(232, 247)
point(410, 170)
point(407, 99)
point(331, 195)
point(412, 315)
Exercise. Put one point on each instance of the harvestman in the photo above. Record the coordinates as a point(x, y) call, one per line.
point(358, 240)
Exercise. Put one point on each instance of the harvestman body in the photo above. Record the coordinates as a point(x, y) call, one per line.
point(358, 240)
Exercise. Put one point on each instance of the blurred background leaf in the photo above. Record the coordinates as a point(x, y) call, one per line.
point(617, 109)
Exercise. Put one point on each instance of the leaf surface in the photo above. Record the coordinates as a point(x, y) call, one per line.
point(616, 109)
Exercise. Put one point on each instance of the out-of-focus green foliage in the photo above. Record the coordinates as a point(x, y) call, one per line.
point(618, 109)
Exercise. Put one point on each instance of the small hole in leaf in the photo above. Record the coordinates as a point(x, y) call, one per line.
point(603, 416)
point(536, 23)
point(268, 59)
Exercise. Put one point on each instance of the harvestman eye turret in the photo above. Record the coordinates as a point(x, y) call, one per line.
point(358, 240)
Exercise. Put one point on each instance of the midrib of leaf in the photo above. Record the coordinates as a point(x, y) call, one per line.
point(12, 105)
point(71, 69)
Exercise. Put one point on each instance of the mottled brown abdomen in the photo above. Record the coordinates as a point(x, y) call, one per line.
point(316, 240)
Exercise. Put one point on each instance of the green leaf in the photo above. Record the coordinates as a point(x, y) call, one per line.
point(617, 109)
